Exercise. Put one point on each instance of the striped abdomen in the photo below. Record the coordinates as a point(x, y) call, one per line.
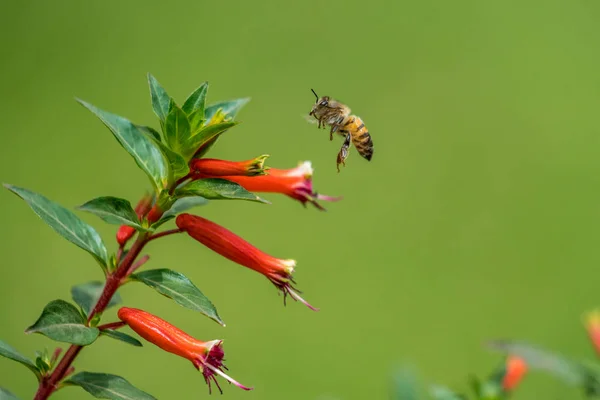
point(361, 139)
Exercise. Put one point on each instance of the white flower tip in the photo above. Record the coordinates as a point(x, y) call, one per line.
point(304, 169)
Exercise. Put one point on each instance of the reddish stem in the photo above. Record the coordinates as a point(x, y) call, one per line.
point(138, 264)
point(50, 382)
point(112, 325)
point(164, 233)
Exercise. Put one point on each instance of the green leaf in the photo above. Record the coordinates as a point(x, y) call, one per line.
point(160, 99)
point(107, 386)
point(218, 189)
point(205, 135)
point(570, 371)
point(64, 222)
point(177, 129)
point(178, 287)
point(443, 393)
point(405, 385)
point(87, 294)
point(123, 337)
point(113, 210)
point(9, 352)
point(194, 106)
point(7, 395)
point(180, 205)
point(149, 131)
point(61, 321)
point(144, 151)
point(230, 108)
point(177, 164)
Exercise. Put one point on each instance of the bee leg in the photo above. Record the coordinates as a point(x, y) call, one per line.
point(343, 154)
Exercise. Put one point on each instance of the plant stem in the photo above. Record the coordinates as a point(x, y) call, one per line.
point(164, 233)
point(50, 383)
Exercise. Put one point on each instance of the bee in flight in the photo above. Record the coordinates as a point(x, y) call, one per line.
point(337, 115)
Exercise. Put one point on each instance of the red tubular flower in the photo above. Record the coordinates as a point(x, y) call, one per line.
point(592, 324)
point(213, 167)
point(516, 368)
point(295, 183)
point(125, 232)
point(236, 249)
point(206, 356)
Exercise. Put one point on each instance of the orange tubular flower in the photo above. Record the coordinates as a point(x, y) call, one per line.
point(516, 368)
point(236, 249)
point(214, 167)
point(125, 232)
point(295, 183)
point(592, 324)
point(206, 356)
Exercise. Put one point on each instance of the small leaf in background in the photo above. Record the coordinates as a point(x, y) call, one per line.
point(178, 287)
point(570, 371)
point(9, 352)
point(107, 386)
point(86, 295)
point(113, 210)
point(177, 130)
point(42, 361)
point(194, 106)
point(205, 135)
point(144, 151)
point(123, 337)
point(177, 164)
point(180, 205)
point(405, 385)
point(230, 108)
point(65, 223)
point(218, 189)
point(443, 393)
point(61, 321)
point(7, 395)
point(160, 99)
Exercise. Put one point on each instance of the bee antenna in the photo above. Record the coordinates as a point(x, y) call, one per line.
point(315, 94)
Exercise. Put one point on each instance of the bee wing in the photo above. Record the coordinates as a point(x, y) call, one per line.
point(310, 119)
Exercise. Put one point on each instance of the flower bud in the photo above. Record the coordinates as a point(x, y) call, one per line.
point(592, 324)
point(516, 368)
point(215, 168)
point(206, 356)
point(125, 232)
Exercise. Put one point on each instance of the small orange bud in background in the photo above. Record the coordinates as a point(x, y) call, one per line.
point(211, 167)
point(125, 232)
point(236, 249)
point(206, 356)
point(592, 325)
point(516, 368)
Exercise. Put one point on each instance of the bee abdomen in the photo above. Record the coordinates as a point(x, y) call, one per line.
point(362, 139)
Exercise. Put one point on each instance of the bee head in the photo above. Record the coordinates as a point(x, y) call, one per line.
point(320, 103)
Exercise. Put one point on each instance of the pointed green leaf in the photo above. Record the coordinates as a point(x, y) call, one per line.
point(107, 386)
point(150, 132)
point(180, 205)
point(64, 222)
point(205, 135)
point(7, 395)
point(218, 189)
point(123, 337)
point(194, 107)
point(9, 352)
point(177, 164)
point(160, 99)
point(177, 129)
point(144, 151)
point(178, 287)
point(87, 294)
point(230, 108)
point(62, 322)
point(113, 210)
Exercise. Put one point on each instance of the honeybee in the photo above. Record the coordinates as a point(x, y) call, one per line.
point(337, 115)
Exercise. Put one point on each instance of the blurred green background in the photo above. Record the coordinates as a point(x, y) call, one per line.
point(478, 217)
